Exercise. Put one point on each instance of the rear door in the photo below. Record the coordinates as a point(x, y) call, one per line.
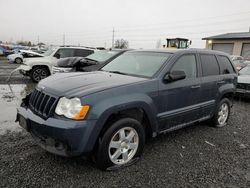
point(210, 82)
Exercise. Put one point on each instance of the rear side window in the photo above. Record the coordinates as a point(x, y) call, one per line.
point(209, 64)
point(82, 52)
point(225, 65)
point(186, 63)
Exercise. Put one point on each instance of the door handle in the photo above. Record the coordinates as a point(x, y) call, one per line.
point(195, 87)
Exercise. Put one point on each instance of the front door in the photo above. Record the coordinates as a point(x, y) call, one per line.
point(180, 99)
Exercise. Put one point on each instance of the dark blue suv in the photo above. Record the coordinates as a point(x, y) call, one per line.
point(140, 94)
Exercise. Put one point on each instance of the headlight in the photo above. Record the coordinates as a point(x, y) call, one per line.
point(61, 69)
point(71, 108)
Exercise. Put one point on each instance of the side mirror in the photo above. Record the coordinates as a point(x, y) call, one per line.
point(175, 75)
point(57, 56)
point(85, 62)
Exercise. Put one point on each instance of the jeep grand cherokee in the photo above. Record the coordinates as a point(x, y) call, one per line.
point(110, 113)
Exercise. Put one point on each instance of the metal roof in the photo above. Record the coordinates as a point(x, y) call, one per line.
point(173, 51)
point(229, 36)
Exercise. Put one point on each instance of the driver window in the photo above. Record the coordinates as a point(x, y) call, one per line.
point(65, 52)
point(186, 63)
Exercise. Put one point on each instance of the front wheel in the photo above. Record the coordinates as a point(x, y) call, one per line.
point(121, 144)
point(39, 73)
point(18, 60)
point(222, 113)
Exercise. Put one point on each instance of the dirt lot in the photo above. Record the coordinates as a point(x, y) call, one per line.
point(197, 156)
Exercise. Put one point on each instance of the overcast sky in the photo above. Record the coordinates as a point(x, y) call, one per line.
point(141, 22)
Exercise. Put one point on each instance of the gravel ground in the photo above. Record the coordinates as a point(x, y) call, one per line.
point(197, 156)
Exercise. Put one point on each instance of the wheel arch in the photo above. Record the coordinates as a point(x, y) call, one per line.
point(44, 66)
point(136, 110)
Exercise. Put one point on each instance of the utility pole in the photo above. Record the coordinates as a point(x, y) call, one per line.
point(63, 39)
point(38, 39)
point(113, 38)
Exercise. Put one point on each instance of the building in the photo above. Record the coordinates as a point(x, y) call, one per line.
point(231, 43)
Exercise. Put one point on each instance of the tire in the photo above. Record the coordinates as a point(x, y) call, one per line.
point(222, 113)
point(119, 138)
point(18, 60)
point(39, 73)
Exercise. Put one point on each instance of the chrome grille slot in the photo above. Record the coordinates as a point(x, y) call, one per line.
point(41, 103)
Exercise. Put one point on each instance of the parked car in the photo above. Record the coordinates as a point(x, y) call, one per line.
point(140, 94)
point(18, 57)
point(243, 85)
point(41, 67)
point(5, 50)
point(238, 62)
point(90, 63)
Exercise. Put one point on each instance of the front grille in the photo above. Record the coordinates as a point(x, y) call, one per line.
point(41, 103)
point(243, 86)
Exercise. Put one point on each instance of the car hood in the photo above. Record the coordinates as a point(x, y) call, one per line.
point(84, 83)
point(244, 79)
point(12, 55)
point(35, 60)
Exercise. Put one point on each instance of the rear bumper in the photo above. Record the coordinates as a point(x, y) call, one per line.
point(61, 137)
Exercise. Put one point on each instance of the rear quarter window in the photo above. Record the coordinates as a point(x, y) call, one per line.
point(209, 65)
point(225, 65)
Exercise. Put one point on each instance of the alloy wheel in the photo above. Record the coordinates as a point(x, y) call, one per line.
point(223, 113)
point(123, 145)
point(39, 74)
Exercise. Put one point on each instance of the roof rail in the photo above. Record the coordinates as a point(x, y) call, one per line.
point(77, 46)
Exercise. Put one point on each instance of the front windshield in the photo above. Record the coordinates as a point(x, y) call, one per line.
point(101, 56)
point(144, 64)
point(49, 52)
point(245, 70)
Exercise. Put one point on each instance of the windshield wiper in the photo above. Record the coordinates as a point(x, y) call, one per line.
point(117, 72)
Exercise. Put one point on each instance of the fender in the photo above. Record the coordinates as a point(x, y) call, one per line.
point(106, 108)
point(40, 61)
point(224, 89)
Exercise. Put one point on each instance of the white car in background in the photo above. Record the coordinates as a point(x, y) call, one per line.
point(18, 57)
point(41, 67)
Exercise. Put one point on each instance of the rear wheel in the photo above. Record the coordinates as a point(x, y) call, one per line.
point(18, 60)
point(120, 145)
point(222, 113)
point(39, 73)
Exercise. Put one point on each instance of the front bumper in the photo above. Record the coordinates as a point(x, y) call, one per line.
point(61, 137)
point(24, 69)
point(10, 60)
